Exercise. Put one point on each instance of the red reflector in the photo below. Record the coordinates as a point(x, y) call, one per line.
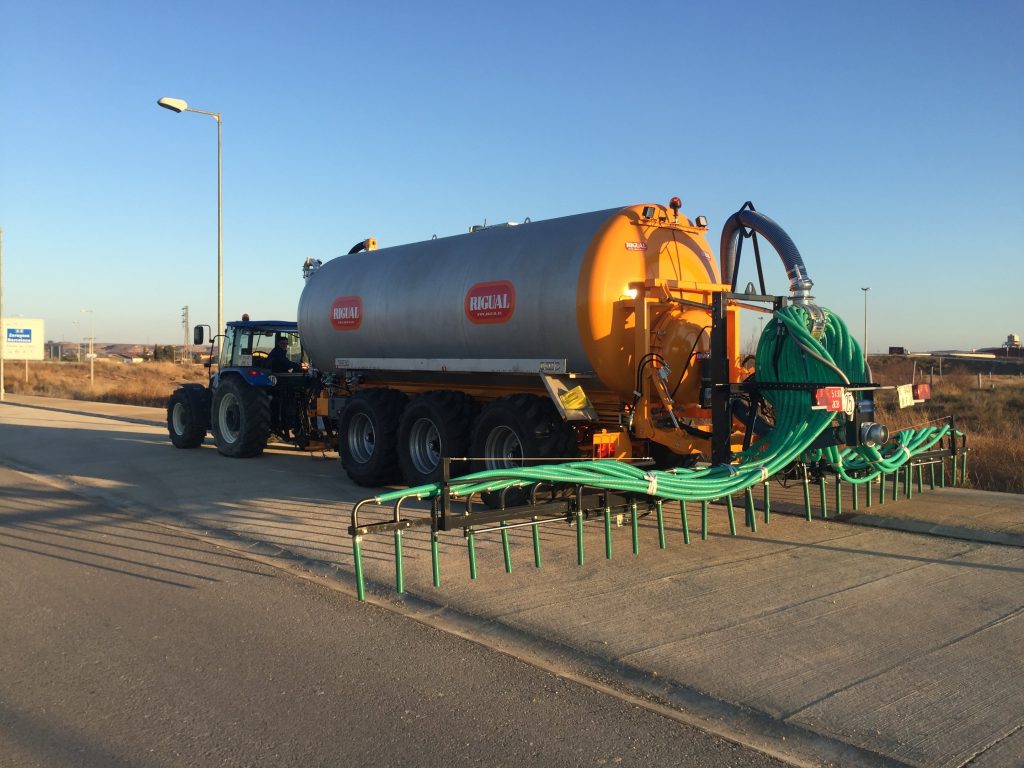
point(831, 398)
point(922, 391)
point(604, 450)
point(254, 373)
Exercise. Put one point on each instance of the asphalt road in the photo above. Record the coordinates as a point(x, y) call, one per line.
point(130, 643)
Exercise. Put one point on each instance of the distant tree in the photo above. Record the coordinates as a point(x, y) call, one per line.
point(163, 352)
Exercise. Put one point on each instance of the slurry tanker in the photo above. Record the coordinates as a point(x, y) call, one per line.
point(581, 368)
point(605, 335)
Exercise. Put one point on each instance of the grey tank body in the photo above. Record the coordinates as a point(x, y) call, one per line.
point(414, 296)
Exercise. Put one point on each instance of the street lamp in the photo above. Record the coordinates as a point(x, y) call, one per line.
point(92, 346)
point(180, 105)
point(866, 323)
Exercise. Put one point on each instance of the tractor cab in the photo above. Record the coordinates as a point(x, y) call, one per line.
point(249, 344)
point(263, 387)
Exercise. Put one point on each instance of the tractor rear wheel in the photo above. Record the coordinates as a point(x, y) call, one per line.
point(434, 425)
point(188, 416)
point(241, 419)
point(516, 427)
point(368, 436)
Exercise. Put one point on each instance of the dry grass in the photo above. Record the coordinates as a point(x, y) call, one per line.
point(141, 384)
point(992, 417)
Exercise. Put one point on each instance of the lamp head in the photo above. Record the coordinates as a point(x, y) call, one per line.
point(175, 105)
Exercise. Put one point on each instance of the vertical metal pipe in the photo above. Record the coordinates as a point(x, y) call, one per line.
point(704, 521)
point(896, 485)
point(881, 488)
point(908, 481)
point(608, 532)
point(685, 522)
point(661, 523)
point(920, 478)
point(505, 550)
point(855, 493)
point(220, 225)
point(824, 499)
point(868, 491)
point(732, 514)
point(767, 503)
point(751, 514)
point(399, 569)
point(807, 495)
point(435, 561)
point(634, 525)
point(536, 543)
point(471, 548)
point(931, 476)
point(579, 537)
point(839, 496)
point(357, 556)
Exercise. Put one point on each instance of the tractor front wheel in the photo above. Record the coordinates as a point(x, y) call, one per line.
point(241, 419)
point(188, 416)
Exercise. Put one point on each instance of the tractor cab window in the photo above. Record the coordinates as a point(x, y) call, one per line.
point(251, 347)
point(227, 347)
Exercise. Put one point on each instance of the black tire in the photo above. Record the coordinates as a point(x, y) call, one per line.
point(188, 416)
point(515, 427)
point(434, 425)
point(241, 419)
point(665, 458)
point(368, 436)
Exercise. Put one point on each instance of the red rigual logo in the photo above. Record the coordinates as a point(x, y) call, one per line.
point(490, 302)
point(347, 313)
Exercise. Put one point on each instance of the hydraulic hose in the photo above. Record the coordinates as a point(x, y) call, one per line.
point(732, 233)
point(787, 352)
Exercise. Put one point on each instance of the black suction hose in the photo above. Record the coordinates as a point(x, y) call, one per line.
point(732, 232)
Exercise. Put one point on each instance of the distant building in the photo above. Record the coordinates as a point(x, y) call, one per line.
point(1010, 348)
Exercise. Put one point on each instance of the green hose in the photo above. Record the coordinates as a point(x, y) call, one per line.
point(786, 352)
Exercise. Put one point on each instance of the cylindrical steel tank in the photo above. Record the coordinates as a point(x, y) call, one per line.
point(545, 290)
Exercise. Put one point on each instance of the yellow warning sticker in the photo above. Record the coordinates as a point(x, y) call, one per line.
point(574, 399)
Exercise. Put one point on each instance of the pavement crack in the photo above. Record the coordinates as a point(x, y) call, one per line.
point(879, 672)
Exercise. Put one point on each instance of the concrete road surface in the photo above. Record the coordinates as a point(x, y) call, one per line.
point(821, 641)
point(128, 643)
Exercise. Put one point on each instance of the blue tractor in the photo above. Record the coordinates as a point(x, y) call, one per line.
point(263, 387)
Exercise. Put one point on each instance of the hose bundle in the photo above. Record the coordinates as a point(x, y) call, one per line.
point(787, 353)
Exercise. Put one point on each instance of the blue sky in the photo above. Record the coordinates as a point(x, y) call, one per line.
point(885, 137)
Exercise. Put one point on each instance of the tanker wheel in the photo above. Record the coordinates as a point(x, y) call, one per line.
point(188, 416)
point(368, 436)
point(665, 458)
point(515, 427)
point(434, 425)
point(241, 419)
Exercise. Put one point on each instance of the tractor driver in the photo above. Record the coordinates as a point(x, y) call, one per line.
point(278, 357)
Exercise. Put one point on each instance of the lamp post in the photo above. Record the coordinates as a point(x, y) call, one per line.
point(92, 349)
point(866, 323)
point(179, 105)
point(3, 327)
